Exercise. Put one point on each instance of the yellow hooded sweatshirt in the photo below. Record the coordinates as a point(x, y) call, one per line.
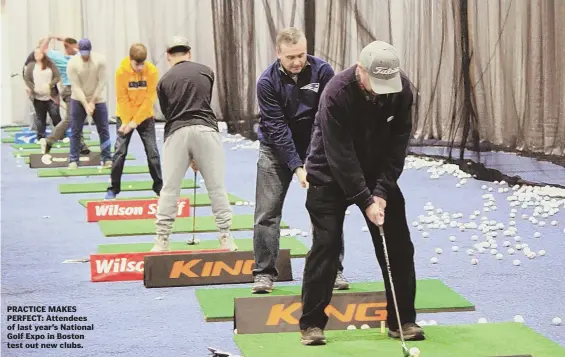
point(136, 92)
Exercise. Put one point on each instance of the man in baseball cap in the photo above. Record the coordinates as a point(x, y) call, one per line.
point(178, 44)
point(380, 61)
point(191, 139)
point(84, 47)
point(357, 154)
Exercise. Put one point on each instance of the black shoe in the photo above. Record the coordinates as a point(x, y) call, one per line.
point(411, 331)
point(85, 150)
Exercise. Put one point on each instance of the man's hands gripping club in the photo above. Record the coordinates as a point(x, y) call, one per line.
point(301, 176)
point(376, 211)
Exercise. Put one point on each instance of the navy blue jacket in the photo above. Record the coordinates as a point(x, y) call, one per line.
point(360, 143)
point(287, 109)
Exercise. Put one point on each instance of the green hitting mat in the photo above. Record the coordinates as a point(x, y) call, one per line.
point(27, 153)
point(139, 227)
point(12, 129)
point(201, 199)
point(128, 157)
point(12, 140)
point(95, 187)
point(432, 295)
point(60, 144)
point(478, 340)
point(297, 248)
point(89, 171)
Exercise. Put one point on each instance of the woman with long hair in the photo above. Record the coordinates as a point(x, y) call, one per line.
point(41, 77)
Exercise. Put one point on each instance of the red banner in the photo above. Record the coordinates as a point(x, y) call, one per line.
point(130, 209)
point(127, 266)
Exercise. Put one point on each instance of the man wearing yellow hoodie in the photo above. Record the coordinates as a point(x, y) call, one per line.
point(136, 91)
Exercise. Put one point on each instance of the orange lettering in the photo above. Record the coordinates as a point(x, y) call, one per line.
point(207, 269)
point(347, 316)
point(248, 267)
point(279, 312)
point(378, 314)
point(219, 266)
point(180, 267)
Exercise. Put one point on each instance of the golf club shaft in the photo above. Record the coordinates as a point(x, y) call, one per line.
point(194, 206)
point(381, 230)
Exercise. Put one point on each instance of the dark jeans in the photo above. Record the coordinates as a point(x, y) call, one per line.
point(146, 131)
point(100, 116)
point(42, 107)
point(273, 180)
point(327, 206)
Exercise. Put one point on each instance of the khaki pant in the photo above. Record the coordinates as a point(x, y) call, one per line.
point(60, 130)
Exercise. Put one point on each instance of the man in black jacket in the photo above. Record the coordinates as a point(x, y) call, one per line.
point(358, 148)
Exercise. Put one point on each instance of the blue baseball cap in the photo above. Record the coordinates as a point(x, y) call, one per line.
point(84, 47)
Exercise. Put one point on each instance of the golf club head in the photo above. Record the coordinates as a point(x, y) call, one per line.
point(405, 351)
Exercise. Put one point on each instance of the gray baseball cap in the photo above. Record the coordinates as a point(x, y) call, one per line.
point(178, 41)
point(381, 62)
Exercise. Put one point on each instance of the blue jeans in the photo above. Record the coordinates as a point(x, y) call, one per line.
point(100, 116)
point(273, 180)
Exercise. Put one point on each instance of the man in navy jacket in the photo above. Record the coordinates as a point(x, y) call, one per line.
point(288, 93)
point(359, 146)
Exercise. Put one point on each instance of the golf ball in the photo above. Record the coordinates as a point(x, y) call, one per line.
point(556, 321)
point(364, 327)
point(351, 327)
point(518, 319)
point(414, 352)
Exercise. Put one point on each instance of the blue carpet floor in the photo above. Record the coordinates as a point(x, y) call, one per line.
point(41, 228)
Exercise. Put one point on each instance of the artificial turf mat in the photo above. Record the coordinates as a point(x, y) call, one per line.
point(12, 140)
point(201, 199)
point(27, 153)
point(432, 296)
point(128, 157)
point(477, 340)
point(11, 129)
point(138, 227)
point(89, 171)
point(60, 144)
point(297, 248)
point(95, 187)
point(17, 129)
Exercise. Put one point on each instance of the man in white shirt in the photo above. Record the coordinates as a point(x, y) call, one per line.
point(87, 74)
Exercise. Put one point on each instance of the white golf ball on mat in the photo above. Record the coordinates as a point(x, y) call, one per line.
point(414, 352)
point(518, 319)
point(434, 260)
point(351, 327)
point(364, 327)
point(556, 321)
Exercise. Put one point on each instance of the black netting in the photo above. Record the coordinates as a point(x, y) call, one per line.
point(488, 75)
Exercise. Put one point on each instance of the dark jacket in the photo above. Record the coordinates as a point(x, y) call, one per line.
point(360, 143)
point(185, 96)
point(287, 108)
point(28, 77)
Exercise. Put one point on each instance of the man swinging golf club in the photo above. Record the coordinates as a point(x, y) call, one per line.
point(191, 138)
point(358, 149)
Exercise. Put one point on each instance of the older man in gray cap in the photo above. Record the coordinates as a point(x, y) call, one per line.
point(191, 139)
point(357, 154)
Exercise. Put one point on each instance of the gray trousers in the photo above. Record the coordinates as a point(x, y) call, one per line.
point(203, 145)
point(273, 181)
point(60, 130)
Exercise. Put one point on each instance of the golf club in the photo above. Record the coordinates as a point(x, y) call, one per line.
point(193, 240)
point(405, 350)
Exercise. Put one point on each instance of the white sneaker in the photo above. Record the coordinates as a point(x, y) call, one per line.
point(227, 242)
point(161, 244)
point(43, 144)
point(73, 166)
